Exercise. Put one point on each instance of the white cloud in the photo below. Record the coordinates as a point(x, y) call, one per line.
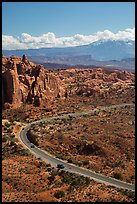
point(106, 34)
point(10, 42)
point(26, 41)
point(127, 34)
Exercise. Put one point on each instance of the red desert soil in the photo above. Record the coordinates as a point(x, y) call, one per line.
point(104, 142)
point(26, 179)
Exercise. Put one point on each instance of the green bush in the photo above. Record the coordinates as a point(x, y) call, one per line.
point(4, 139)
point(40, 124)
point(128, 193)
point(70, 160)
point(70, 189)
point(51, 178)
point(25, 152)
point(7, 124)
point(87, 180)
point(12, 136)
point(9, 130)
point(59, 194)
point(85, 162)
point(117, 175)
point(75, 182)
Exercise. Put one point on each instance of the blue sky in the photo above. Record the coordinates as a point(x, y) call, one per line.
point(31, 24)
point(66, 19)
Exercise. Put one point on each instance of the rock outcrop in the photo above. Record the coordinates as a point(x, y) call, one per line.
point(26, 82)
point(95, 82)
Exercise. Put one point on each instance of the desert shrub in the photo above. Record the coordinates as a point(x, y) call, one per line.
point(87, 180)
point(70, 189)
point(4, 139)
point(79, 93)
point(60, 137)
point(98, 200)
point(88, 194)
point(7, 124)
point(112, 199)
point(66, 178)
point(51, 179)
point(110, 85)
point(85, 115)
point(74, 162)
point(51, 128)
point(128, 193)
point(78, 133)
point(25, 152)
point(40, 164)
point(117, 175)
point(131, 194)
point(60, 156)
point(12, 136)
point(69, 128)
point(70, 160)
point(85, 126)
point(59, 194)
point(75, 182)
point(85, 162)
point(48, 165)
point(9, 130)
point(54, 173)
point(12, 143)
point(40, 124)
point(128, 155)
point(49, 169)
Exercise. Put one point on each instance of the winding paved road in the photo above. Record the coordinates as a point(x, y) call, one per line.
point(48, 158)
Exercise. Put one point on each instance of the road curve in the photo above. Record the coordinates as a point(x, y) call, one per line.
point(48, 158)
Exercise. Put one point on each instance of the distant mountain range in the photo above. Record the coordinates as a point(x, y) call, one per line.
point(111, 53)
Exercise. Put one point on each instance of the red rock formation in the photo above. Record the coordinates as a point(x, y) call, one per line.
point(95, 82)
point(24, 81)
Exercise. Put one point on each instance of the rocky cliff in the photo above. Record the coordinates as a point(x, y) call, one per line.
point(26, 82)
